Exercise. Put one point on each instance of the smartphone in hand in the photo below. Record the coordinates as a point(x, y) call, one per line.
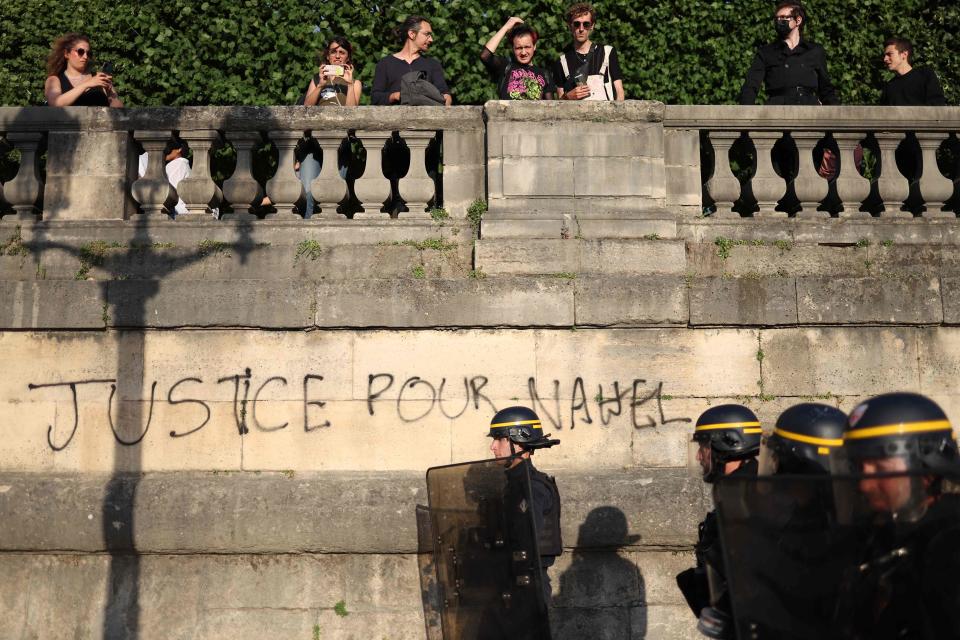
point(107, 68)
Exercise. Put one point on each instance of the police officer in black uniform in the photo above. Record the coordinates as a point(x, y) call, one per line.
point(803, 439)
point(907, 583)
point(517, 432)
point(727, 440)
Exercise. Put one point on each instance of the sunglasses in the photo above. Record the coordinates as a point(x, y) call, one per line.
point(83, 53)
point(576, 24)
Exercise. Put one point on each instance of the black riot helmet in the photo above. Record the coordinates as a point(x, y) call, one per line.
point(803, 441)
point(730, 432)
point(901, 425)
point(521, 426)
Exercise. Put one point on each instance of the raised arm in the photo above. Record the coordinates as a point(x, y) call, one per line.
point(496, 38)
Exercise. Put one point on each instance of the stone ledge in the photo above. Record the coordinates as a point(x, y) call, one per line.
point(319, 512)
point(743, 301)
point(555, 110)
point(631, 301)
point(576, 255)
point(29, 305)
point(902, 301)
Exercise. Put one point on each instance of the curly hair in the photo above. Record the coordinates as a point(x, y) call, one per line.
point(578, 9)
point(342, 42)
point(56, 62)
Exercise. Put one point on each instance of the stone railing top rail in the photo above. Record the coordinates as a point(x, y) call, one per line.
point(240, 118)
point(552, 110)
point(793, 118)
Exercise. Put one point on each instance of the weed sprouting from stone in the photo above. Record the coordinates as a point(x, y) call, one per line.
point(723, 246)
point(783, 245)
point(886, 243)
point(308, 249)
point(439, 215)
point(419, 272)
point(14, 245)
point(652, 236)
point(564, 275)
point(475, 212)
point(477, 274)
point(211, 247)
point(316, 632)
point(862, 243)
point(91, 255)
point(341, 609)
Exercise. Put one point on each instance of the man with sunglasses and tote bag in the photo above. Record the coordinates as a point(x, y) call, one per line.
point(586, 70)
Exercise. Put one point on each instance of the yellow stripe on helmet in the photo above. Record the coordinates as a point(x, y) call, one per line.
point(902, 428)
point(536, 424)
point(799, 437)
point(730, 425)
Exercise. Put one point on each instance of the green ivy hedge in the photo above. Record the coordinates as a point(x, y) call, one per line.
point(262, 52)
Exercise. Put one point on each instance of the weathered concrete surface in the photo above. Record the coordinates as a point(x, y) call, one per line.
point(317, 512)
point(766, 301)
point(905, 300)
point(289, 596)
point(541, 256)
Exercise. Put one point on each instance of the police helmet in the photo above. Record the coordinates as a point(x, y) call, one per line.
point(731, 431)
point(521, 426)
point(803, 440)
point(901, 425)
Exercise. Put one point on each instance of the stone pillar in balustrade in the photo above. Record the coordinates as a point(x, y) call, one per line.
point(89, 173)
point(768, 187)
point(723, 186)
point(152, 189)
point(284, 188)
point(199, 192)
point(852, 187)
point(23, 191)
point(329, 187)
point(810, 187)
point(935, 188)
point(892, 185)
point(416, 188)
point(241, 189)
point(372, 188)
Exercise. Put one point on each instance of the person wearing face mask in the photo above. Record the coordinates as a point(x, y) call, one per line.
point(792, 68)
point(586, 70)
point(517, 78)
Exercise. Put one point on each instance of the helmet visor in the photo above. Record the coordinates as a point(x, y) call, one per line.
point(769, 462)
point(700, 460)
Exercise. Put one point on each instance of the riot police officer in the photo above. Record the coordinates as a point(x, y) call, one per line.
point(803, 440)
point(516, 433)
point(726, 441)
point(905, 584)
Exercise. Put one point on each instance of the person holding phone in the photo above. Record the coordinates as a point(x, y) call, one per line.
point(334, 84)
point(70, 78)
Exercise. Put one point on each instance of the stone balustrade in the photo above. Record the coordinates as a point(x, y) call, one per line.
point(546, 170)
point(769, 161)
point(91, 169)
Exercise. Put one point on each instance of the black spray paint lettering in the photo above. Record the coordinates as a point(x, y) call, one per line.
point(307, 403)
point(113, 428)
point(76, 409)
point(636, 403)
point(379, 383)
point(240, 413)
point(602, 402)
point(172, 402)
point(256, 397)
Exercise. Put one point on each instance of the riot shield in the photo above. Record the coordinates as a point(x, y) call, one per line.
point(838, 557)
point(488, 564)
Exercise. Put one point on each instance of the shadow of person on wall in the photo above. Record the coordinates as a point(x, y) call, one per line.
point(602, 594)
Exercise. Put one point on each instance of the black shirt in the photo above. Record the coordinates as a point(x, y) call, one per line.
point(389, 71)
point(791, 76)
point(917, 87)
point(92, 97)
point(588, 64)
point(518, 81)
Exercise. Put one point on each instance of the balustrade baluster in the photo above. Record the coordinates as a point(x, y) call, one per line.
point(329, 187)
point(723, 186)
point(199, 192)
point(152, 189)
point(768, 187)
point(892, 185)
point(852, 187)
point(23, 191)
point(935, 188)
point(241, 188)
point(284, 189)
point(417, 187)
point(372, 188)
point(810, 187)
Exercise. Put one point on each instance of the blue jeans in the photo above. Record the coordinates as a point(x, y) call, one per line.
point(309, 170)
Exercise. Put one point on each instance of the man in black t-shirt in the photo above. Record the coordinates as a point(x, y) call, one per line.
point(586, 70)
point(416, 36)
point(909, 86)
point(517, 78)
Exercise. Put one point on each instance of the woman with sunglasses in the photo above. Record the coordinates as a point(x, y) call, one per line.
point(334, 85)
point(70, 82)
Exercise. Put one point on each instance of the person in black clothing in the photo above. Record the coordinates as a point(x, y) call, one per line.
point(517, 432)
point(517, 78)
point(727, 441)
point(69, 81)
point(905, 582)
point(793, 69)
point(416, 36)
point(586, 70)
point(908, 87)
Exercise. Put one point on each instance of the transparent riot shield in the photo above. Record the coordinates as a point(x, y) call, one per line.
point(842, 557)
point(488, 564)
